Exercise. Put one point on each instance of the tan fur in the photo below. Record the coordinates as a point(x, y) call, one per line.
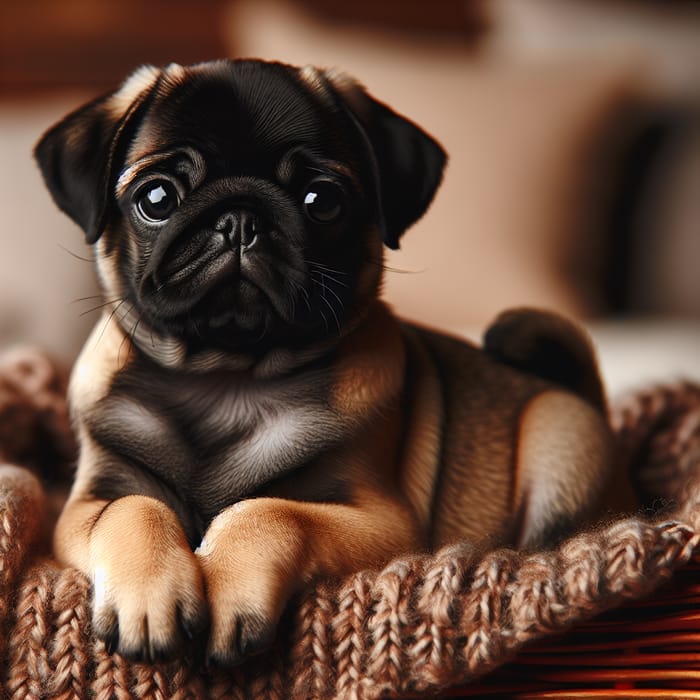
point(147, 586)
point(421, 453)
point(314, 78)
point(139, 81)
point(105, 351)
point(370, 366)
point(257, 552)
point(563, 453)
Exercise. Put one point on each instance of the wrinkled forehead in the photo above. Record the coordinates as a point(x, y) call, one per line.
point(242, 113)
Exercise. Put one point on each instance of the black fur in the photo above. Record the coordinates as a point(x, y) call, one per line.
point(406, 163)
point(78, 158)
point(260, 134)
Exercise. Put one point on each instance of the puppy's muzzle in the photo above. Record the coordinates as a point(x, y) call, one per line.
point(240, 227)
point(232, 209)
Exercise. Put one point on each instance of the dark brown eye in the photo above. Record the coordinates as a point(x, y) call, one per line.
point(324, 201)
point(157, 200)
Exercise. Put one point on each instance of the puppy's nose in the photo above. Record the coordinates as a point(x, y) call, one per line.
point(239, 226)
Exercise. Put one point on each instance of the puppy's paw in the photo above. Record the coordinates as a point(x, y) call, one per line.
point(148, 601)
point(250, 572)
point(150, 619)
point(245, 604)
point(240, 633)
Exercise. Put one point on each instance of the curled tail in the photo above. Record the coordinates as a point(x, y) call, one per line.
point(548, 346)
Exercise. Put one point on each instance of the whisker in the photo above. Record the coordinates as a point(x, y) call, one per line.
point(305, 294)
point(121, 345)
point(132, 337)
point(99, 306)
point(328, 276)
point(109, 319)
point(398, 270)
point(325, 320)
point(75, 255)
point(324, 267)
point(262, 334)
point(89, 298)
point(335, 316)
point(326, 288)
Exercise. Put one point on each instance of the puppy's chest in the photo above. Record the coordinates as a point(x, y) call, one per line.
point(216, 439)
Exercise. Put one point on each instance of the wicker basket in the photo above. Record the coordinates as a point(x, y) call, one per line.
point(646, 649)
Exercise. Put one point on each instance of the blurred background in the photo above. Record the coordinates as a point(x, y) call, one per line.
point(573, 128)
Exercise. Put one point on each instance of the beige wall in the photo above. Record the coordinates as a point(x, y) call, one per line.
point(39, 280)
point(518, 135)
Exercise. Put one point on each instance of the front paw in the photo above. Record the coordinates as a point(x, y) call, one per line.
point(250, 572)
point(240, 632)
point(150, 618)
point(148, 593)
point(245, 605)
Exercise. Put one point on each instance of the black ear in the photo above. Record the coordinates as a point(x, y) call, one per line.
point(408, 163)
point(77, 155)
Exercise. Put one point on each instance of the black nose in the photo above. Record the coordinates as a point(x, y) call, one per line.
point(239, 226)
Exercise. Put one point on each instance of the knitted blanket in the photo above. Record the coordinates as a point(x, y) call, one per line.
point(423, 624)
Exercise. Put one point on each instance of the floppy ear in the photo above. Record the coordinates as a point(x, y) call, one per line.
point(407, 162)
point(77, 155)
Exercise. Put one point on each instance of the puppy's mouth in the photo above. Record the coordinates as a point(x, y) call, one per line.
point(204, 258)
point(234, 270)
point(203, 268)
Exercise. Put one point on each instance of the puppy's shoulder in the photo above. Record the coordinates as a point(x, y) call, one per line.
point(107, 351)
point(370, 365)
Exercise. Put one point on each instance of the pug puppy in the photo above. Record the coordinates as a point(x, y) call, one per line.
point(250, 414)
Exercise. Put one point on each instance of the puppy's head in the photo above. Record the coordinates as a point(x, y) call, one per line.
point(240, 204)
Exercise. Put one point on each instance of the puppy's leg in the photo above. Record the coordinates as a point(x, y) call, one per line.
point(148, 590)
point(563, 465)
point(258, 552)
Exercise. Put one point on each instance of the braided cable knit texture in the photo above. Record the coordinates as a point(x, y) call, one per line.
point(421, 624)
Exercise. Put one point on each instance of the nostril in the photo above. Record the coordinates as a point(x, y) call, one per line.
point(247, 246)
point(239, 226)
point(248, 228)
point(225, 224)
